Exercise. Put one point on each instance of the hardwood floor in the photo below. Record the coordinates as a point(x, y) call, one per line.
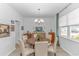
point(59, 52)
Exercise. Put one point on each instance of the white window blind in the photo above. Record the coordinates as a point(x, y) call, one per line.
point(63, 21)
point(73, 17)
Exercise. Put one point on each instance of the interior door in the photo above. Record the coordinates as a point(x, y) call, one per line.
point(17, 31)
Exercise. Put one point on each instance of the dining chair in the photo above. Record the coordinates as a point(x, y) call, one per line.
point(25, 51)
point(52, 49)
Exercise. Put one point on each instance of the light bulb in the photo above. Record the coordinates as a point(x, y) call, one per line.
point(39, 21)
point(36, 20)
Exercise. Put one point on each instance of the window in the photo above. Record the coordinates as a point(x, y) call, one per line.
point(63, 32)
point(70, 32)
point(74, 32)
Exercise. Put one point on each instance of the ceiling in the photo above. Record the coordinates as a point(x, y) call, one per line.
point(38, 9)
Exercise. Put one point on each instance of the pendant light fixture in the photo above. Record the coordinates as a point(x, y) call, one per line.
point(39, 20)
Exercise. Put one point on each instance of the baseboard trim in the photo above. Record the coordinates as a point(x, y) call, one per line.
point(11, 52)
point(66, 51)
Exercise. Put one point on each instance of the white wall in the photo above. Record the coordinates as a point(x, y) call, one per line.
point(53, 23)
point(50, 23)
point(7, 44)
point(72, 47)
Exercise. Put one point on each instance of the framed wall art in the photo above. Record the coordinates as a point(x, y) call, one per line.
point(4, 30)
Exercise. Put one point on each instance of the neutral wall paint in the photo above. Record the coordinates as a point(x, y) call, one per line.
point(72, 47)
point(50, 23)
point(7, 44)
point(53, 23)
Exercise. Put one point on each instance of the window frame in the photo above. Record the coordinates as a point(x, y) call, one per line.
point(60, 31)
point(68, 32)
